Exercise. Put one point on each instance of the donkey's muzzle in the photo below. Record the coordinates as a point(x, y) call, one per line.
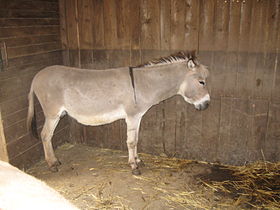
point(202, 106)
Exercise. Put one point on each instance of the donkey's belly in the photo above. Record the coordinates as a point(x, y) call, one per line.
point(100, 119)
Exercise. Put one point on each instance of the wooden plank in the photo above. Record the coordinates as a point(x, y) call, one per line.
point(257, 142)
point(265, 70)
point(135, 26)
point(210, 130)
point(63, 32)
point(243, 88)
point(19, 64)
point(85, 25)
point(3, 148)
point(28, 31)
point(29, 5)
point(232, 50)
point(19, 115)
point(258, 48)
point(98, 24)
point(272, 144)
point(72, 24)
point(14, 52)
point(180, 127)
point(150, 24)
point(110, 24)
point(206, 29)
point(29, 40)
point(165, 24)
point(63, 25)
point(240, 131)
point(124, 24)
point(224, 130)
point(8, 22)
point(221, 25)
point(191, 25)
point(178, 15)
point(194, 141)
point(148, 133)
point(18, 13)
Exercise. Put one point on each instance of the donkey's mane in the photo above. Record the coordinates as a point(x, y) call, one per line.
point(173, 58)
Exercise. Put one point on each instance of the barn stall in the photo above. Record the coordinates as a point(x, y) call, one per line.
point(237, 40)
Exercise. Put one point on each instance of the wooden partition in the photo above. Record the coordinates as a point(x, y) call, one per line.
point(239, 42)
point(30, 40)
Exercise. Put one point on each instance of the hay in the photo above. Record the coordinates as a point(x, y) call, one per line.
point(256, 185)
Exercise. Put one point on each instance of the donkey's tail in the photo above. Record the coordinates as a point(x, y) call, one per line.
point(31, 116)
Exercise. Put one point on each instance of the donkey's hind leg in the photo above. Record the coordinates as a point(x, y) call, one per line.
point(46, 135)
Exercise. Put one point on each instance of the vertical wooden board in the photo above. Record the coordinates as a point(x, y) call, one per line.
point(266, 71)
point(75, 58)
point(240, 131)
point(230, 74)
point(110, 24)
point(272, 144)
point(123, 24)
point(150, 24)
point(3, 147)
point(232, 49)
point(210, 130)
point(243, 89)
point(194, 143)
point(114, 139)
point(63, 26)
point(135, 22)
point(224, 145)
point(165, 24)
point(76, 131)
point(180, 127)
point(218, 73)
point(86, 58)
point(97, 24)
point(100, 60)
point(221, 25)
point(169, 120)
point(234, 26)
point(72, 24)
point(135, 57)
point(256, 143)
point(263, 82)
point(85, 8)
point(275, 96)
point(178, 9)
point(206, 29)
point(191, 25)
point(149, 133)
point(123, 134)
point(118, 58)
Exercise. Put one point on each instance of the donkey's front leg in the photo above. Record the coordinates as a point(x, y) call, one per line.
point(132, 134)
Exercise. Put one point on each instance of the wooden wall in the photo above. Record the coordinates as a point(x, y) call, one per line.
point(238, 40)
point(30, 40)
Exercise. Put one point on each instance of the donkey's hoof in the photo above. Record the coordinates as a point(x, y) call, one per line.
point(141, 164)
point(54, 168)
point(136, 172)
point(57, 163)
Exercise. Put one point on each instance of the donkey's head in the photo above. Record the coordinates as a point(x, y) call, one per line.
point(194, 88)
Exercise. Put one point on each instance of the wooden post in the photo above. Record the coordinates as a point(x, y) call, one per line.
point(3, 148)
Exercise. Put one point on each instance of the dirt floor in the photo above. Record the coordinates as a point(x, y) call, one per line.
point(93, 178)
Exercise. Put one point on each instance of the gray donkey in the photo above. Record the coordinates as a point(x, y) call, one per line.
point(99, 97)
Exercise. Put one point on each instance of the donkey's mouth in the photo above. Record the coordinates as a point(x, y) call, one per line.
point(202, 106)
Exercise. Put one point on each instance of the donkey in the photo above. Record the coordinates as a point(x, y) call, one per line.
point(99, 97)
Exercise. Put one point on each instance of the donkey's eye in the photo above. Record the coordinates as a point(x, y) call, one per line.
point(202, 83)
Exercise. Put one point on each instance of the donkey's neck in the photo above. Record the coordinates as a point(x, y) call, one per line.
point(157, 83)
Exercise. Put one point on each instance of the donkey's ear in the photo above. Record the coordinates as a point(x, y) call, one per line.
point(191, 64)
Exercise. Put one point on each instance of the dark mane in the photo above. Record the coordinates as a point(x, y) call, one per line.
point(173, 58)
